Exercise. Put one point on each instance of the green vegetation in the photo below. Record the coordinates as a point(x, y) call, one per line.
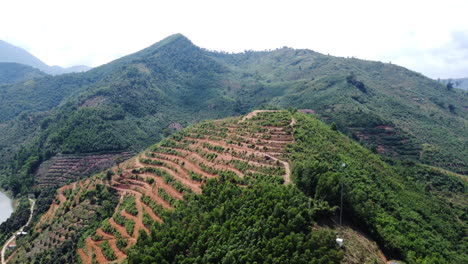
point(163, 194)
point(157, 208)
point(129, 226)
point(396, 208)
point(121, 243)
point(168, 178)
point(415, 212)
point(14, 72)
point(106, 227)
point(152, 162)
point(195, 176)
point(391, 110)
point(265, 223)
point(58, 240)
point(147, 220)
point(119, 218)
point(17, 219)
point(107, 251)
point(129, 205)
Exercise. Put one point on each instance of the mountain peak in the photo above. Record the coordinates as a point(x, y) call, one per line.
point(172, 39)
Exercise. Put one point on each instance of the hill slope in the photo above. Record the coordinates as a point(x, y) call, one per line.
point(135, 100)
point(151, 185)
point(11, 53)
point(251, 213)
point(14, 72)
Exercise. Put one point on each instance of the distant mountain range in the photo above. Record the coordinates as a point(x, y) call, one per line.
point(460, 83)
point(11, 53)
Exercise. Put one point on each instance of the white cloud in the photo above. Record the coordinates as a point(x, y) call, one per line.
point(421, 35)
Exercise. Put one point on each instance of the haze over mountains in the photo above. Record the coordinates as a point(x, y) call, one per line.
point(460, 83)
point(11, 53)
point(409, 181)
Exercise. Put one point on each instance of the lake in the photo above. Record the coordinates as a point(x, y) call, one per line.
point(6, 207)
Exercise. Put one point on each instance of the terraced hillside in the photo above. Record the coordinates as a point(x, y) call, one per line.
point(75, 209)
point(65, 168)
point(240, 150)
point(409, 209)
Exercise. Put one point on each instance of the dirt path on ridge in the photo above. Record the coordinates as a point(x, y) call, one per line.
point(255, 112)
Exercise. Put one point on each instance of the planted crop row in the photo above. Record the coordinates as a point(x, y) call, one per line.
point(211, 147)
point(152, 162)
point(163, 194)
point(119, 218)
point(147, 220)
point(121, 243)
point(107, 228)
point(129, 205)
point(107, 251)
point(129, 225)
point(196, 176)
point(207, 155)
point(165, 164)
point(208, 169)
point(169, 179)
point(166, 151)
point(157, 208)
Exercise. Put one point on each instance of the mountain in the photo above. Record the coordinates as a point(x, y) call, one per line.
point(14, 72)
point(129, 103)
point(460, 83)
point(11, 53)
point(259, 188)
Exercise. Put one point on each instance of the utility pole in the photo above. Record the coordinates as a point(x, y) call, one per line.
point(343, 165)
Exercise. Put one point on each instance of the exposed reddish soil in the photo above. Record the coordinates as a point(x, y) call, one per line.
point(119, 228)
point(258, 150)
point(68, 167)
point(151, 213)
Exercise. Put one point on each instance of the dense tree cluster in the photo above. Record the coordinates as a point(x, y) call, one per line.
point(393, 203)
point(18, 218)
point(263, 223)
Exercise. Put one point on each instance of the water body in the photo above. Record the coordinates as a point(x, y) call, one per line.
point(6, 207)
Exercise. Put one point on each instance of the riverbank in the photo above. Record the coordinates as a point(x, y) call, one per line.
point(5, 246)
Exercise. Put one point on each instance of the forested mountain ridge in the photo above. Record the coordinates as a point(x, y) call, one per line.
point(11, 72)
point(133, 101)
point(221, 191)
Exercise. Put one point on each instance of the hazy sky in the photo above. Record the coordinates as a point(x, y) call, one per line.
point(430, 37)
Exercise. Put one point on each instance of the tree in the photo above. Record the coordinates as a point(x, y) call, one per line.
point(451, 108)
point(450, 85)
point(118, 160)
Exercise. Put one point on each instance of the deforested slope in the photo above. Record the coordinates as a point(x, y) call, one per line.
point(153, 184)
point(249, 189)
